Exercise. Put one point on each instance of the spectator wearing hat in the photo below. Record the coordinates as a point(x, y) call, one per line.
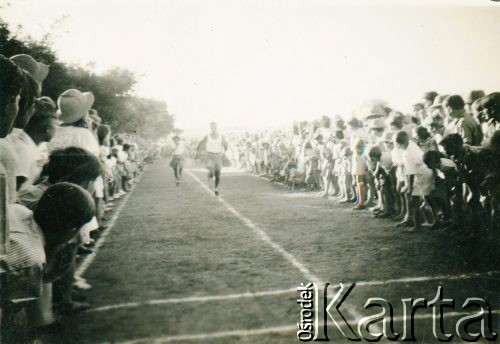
point(73, 112)
point(38, 70)
point(41, 128)
point(34, 73)
point(74, 131)
point(461, 121)
point(29, 92)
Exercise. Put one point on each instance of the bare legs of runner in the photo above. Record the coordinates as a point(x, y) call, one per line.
point(214, 172)
point(178, 173)
point(217, 181)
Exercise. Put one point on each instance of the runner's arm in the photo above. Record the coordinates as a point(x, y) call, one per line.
point(201, 146)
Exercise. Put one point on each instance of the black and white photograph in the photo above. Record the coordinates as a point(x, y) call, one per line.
point(249, 171)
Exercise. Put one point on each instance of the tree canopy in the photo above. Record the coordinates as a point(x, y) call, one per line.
point(113, 89)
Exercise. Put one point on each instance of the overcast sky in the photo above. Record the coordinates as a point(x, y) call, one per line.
point(265, 63)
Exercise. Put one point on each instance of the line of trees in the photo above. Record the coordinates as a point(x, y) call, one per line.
point(113, 89)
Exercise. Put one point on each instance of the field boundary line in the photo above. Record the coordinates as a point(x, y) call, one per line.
point(194, 299)
point(276, 292)
point(263, 235)
point(85, 264)
point(427, 278)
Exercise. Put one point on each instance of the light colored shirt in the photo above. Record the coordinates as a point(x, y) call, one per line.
point(423, 181)
point(214, 145)
point(29, 195)
point(180, 149)
point(29, 156)
point(68, 136)
point(386, 161)
point(358, 165)
point(412, 158)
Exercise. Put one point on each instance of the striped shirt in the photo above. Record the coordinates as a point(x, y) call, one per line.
point(26, 241)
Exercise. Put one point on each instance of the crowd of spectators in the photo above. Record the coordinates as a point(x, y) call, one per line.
point(433, 168)
point(61, 168)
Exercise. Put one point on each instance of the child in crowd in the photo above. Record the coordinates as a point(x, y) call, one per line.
point(359, 169)
point(381, 167)
point(344, 171)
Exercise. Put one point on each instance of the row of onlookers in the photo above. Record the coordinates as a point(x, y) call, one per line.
point(60, 171)
point(436, 167)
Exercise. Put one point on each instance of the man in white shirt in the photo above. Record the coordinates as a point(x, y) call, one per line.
point(214, 145)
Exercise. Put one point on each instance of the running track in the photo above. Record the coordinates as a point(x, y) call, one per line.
point(180, 265)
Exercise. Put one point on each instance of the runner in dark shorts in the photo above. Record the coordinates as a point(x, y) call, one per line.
point(177, 162)
point(214, 145)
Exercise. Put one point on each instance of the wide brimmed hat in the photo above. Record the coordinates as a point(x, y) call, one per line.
point(438, 101)
point(491, 100)
point(37, 70)
point(74, 105)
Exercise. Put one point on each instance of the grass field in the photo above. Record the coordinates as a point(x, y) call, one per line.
point(180, 265)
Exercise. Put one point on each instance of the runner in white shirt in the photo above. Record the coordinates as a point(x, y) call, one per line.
point(214, 145)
